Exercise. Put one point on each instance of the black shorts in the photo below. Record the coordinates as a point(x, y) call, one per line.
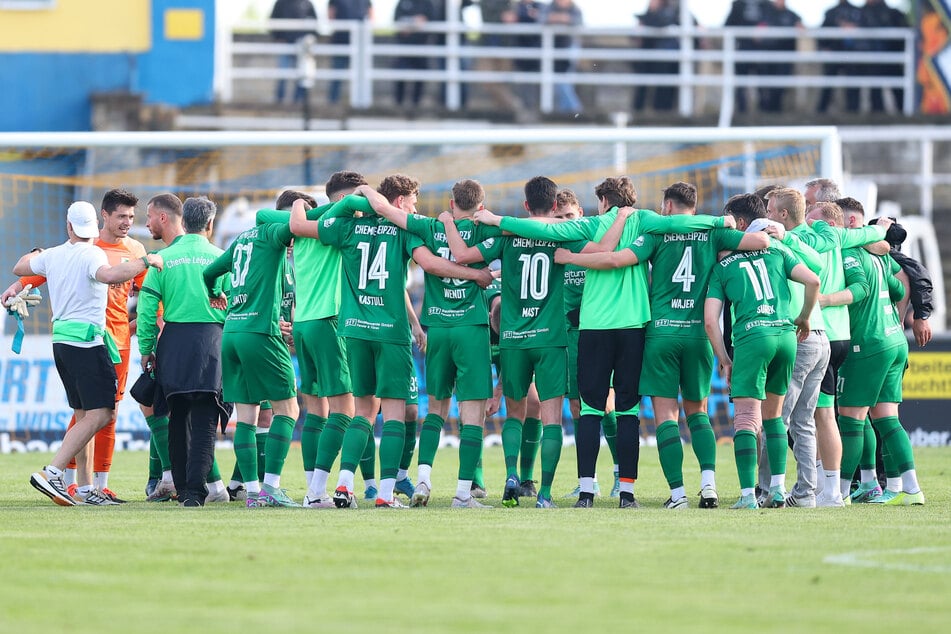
point(88, 376)
point(839, 350)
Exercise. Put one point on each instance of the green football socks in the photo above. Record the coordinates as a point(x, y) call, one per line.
point(531, 436)
point(309, 437)
point(671, 452)
point(511, 444)
point(470, 450)
point(429, 438)
point(552, 439)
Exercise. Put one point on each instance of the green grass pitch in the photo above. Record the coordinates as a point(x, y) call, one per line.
point(158, 568)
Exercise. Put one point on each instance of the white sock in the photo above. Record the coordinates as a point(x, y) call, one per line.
point(909, 481)
point(424, 472)
point(587, 485)
point(617, 470)
point(273, 480)
point(215, 487)
point(167, 476)
point(679, 492)
point(893, 484)
point(69, 476)
point(708, 478)
point(53, 472)
point(464, 489)
point(845, 486)
point(369, 482)
point(308, 476)
point(318, 484)
point(745, 492)
point(627, 487)
point(401, 475)
point(820, 482)
point(867, 475)
point(386, 489)
point(100, 480)
point(831, 479)
point(252, 488)
point(84, 490)
point(234, 484)
point(777, 481)
point(345, 479)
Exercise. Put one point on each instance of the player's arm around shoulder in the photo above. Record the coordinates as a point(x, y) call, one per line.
point(441, 267)
point(461, 252)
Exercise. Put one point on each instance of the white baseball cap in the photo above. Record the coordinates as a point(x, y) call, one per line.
point(83, 217)
point(760, 224)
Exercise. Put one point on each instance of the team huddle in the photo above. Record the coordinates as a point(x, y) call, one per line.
point(600, 309)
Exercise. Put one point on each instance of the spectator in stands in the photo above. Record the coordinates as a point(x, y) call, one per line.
point(878, 15)
point(291, 10)
point(528, 12)
point(409, 15)
point(771, 97)
point(440, 39)
point(349, 10)
point(659, 14)
point(498, 12)
point(564, 13)
point(748, 13)
point(842, 16)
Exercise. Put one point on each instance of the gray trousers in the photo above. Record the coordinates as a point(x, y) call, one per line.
point(799, 407)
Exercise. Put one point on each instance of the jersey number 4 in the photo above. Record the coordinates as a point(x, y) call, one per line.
point(684, 273)
point(375, 270)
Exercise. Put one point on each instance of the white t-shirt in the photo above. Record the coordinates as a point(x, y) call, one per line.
point(75, 293)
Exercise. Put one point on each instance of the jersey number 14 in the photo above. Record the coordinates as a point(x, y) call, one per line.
point(375, 270)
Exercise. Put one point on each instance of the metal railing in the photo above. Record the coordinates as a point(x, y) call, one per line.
point(595, 55)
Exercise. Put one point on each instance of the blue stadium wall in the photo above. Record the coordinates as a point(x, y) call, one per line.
point(160, 49)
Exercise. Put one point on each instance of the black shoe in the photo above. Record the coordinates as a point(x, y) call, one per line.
point(585, 501)
point(233, 494)
point(192, 503)
point(528, 490)
point(628, 501)
point(511, 492)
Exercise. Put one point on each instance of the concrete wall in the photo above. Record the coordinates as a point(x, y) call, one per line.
point(52, 60)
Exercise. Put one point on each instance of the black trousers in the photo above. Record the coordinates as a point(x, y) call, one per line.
point(192, 425)
point(601, 355)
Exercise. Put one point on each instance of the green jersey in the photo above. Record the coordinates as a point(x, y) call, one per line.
point(574, 288)
point(681, 264)
point(756, 284)
point(375, 257)
point(492, 291)
point(256, 261)
point(615, 298)
point(317, 265)
point(180, 288)
point(533, 291)
point(808, 256)
point(828, 241)
point(288, 294)
point(449, 301)
point(875, 288)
